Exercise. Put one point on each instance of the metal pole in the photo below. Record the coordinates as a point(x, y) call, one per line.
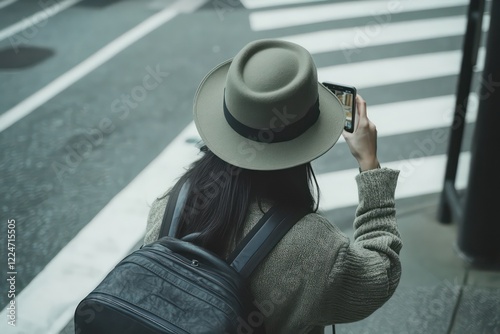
point(479, 230)
point(449, 203)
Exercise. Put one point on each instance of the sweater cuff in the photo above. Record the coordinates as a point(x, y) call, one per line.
point(361, 171)
point(376, 187)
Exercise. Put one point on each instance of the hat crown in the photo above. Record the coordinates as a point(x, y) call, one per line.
point(269, 70)
point(270, 77)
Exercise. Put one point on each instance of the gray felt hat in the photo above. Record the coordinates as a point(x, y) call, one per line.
point(265, 109)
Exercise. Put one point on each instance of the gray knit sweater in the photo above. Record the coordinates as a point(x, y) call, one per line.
point(316, 275)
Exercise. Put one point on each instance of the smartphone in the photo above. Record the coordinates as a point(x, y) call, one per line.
point(347, 96)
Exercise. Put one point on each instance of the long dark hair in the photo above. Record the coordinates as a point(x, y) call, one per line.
point(220, 195)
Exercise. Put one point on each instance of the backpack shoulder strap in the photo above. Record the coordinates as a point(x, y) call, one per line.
point(257, 244)
point(176, 201)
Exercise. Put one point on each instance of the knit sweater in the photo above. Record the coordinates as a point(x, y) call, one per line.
point(317, 276)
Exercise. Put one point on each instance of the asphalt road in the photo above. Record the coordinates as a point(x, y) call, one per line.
point(100, 118)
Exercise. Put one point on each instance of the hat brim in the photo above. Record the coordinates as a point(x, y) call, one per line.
point(242, 152)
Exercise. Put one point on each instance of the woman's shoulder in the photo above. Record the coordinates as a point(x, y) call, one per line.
point(312, 227)
point(316, 228)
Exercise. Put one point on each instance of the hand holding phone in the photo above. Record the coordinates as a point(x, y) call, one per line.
point(347, 96)
point(363, 142)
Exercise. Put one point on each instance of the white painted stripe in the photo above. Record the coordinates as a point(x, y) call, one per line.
point(418, 115)
point(397, 70)
point(49, 301)
point(418, 177)
point(353, 40)
point(379, 12)
point(252, 4)
point(5, 3)
point(39, 18)
point(25, 107)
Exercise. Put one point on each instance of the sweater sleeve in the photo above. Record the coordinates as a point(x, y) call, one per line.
point(366, 271)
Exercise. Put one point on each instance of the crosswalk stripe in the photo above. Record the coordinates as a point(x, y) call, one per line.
point(353, 40)
point(424, 114)
point(378, 11)
point(418, 115)
point(251, 4)
point(399, 69)
point(419, 175)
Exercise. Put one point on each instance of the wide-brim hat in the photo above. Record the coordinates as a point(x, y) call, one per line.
point(264, 109)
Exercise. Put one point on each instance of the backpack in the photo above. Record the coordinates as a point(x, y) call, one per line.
point(175, 286)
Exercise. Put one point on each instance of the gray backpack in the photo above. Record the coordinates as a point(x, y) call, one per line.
point(176, 286)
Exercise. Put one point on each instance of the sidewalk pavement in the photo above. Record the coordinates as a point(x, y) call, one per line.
point(439, 293)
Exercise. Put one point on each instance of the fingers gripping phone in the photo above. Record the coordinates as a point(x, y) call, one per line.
point(347, 96)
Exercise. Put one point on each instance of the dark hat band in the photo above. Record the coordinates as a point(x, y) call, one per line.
point(274, 135)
